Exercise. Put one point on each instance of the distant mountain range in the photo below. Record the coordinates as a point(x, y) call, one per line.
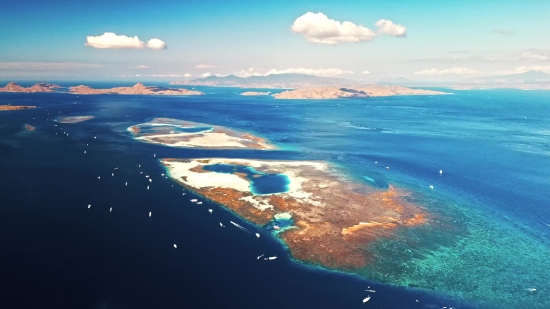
point(530, 77)
point(270, 81)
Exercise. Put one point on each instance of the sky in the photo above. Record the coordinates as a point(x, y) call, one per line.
point(435, 40)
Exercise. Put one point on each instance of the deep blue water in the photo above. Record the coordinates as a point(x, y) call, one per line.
point(493, 148)
point(260, 183)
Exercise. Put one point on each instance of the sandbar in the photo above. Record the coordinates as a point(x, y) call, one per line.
point(73, 119)
point(187, 134)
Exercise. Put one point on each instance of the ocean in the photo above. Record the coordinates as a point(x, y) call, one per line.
point(492, 146)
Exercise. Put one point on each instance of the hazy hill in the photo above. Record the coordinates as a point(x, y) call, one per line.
point(269, 81)
point(530, 77)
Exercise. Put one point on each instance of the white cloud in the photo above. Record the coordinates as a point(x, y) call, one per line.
point(248, 73)
point(46, 66)
point(529, 55)
point(503, 31)
point(388, 27)
point(319, 72)
point(141, 66)
point(365, 72)
point(187, 75)
point(206, 66)
point(318, 28)
point(156, 44)
point(112, 40)
point(206, 74)
point(451, 71)
point(523, 69)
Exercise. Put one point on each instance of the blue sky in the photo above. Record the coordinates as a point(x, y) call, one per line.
point(444, 40)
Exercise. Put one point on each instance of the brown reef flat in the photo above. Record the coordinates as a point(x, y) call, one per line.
point(138, 88)
point(39, 87)
point(180, 133)
point(335, 220)
point(352, 92)
point(14, 107)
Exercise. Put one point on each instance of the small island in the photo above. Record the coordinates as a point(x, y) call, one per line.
point(14, 107)
point(181, 133)
point(254, 93)
point(352, 92)
point(73, 119)
point(138, 88)
point(39, 87)
point(323, 218)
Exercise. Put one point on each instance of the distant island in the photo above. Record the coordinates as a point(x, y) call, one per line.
point(254, 93)
point(272, 81)
point(28, 127)
point(355, 92)
point(187, 134)
point(14, 107)
point(39, 87)
point(73, 119)
point(138, 88)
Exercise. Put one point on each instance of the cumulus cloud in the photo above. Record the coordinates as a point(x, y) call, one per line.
point(206, 74)
point(388, 27)
point(156, 44)
point(503, 31)
point(187, 75)
point(365, 72)
point(451, 71)
point(206, 66)
point(318, 28)
point(112, 40)
point(141, 66)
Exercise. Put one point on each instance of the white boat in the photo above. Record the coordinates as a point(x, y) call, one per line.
point(111, 209)
point(149, 214)
point(199, 203)
point(95, 137)
point(366, 299)
point(372, 291)
point(431, 187)
point(146, 176)
point(194, 200)
point(210, 210)
point(84, 151)
point(183, 194)
point(150, 180)
point(276, 227)
point(175, 246)
point(89, 206)
point(116, 168)
point(260, 256)
point(126, 184)
point(387, 167)
point(257, 235)
point(221, 224)
point(162, 175)
point(113, 174)
point(147, 187)
point(440, 172)
point(98, 177)
point(154, 155)
point(272, 258)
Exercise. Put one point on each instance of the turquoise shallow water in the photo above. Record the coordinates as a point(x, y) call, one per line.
point(488, 246)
